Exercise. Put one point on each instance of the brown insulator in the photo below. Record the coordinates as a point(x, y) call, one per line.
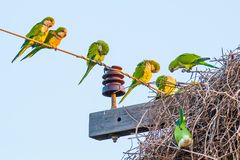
point(113, 81)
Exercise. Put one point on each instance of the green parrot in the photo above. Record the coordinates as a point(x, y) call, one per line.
point(181, 134)
point(187, 61)
point(53, 39)
point(143, 71)
point(97, 51)
point(38, 32)
point(166, 84)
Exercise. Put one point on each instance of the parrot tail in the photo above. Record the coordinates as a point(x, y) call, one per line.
point(202, 59)
point(21, 52)
point(208, 65)
point(129, 90)
point(29, 55)
point(88, 70)
point(181, 115)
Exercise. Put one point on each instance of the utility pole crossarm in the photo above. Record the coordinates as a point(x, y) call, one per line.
point(119, 122)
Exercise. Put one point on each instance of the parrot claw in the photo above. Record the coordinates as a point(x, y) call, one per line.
point(184, 70)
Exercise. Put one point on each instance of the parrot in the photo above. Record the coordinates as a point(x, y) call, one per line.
point(53, 39)
point(166, 84)
point(97, 51)
point(38, 32)
point(143, 71)
point(187, 61)
point(181, 134)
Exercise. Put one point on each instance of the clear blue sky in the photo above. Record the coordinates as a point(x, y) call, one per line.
point(44, 113)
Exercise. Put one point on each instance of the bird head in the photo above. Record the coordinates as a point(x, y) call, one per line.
point(166, 84)
point(161, 81)
point(103, 47)
point(173, 66)
point(155, 66)
point(61, 32)
point(48, 21)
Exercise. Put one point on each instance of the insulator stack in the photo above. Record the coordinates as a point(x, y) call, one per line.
point(113, 81)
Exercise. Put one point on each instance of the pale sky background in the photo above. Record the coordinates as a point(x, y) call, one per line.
point(44, 113)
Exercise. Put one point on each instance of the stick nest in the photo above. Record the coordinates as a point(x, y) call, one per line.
point(212, 111)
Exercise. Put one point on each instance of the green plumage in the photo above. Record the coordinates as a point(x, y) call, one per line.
point(97, 51)
point(38, 32)
point(143, 71)
point(181, 134)
point(187, 61)
point(53, 39)
point(161, 82)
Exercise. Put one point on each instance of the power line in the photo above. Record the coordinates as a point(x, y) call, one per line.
point(84, 58)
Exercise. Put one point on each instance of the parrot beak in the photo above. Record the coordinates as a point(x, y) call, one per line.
point(61, 34)
point(152, 68)
point(100, 49)
point(48, 23)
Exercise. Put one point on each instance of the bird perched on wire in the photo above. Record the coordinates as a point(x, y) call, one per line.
point(97, 51)
point(53, 39)
point(181, 134)
point(38, 32)
point(166, 84)
point(143, 72)
point(187, 61)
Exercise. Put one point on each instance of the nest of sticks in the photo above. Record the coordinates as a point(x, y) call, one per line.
point(212, 111)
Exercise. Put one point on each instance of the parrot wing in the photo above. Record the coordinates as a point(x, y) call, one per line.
point(188, 58)
point(92, 54)
point(138, 73)
point(177, 134)
point(36, 30)
point(93, 50)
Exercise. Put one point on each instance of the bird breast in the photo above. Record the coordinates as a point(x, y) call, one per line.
point(44, 29)
point(147, 73)
point(54, 41)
